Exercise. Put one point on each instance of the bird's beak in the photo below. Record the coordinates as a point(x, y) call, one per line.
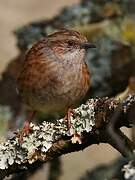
point(88, 45)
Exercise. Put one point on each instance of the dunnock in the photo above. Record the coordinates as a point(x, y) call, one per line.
point(55, 76)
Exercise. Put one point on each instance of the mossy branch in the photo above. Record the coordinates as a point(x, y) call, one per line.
point(97, 121)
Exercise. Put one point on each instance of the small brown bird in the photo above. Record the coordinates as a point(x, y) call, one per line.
point(55, 76)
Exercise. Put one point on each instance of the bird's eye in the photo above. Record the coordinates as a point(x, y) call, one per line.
point(71, 43)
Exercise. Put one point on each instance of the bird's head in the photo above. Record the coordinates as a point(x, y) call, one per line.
point(69, 44)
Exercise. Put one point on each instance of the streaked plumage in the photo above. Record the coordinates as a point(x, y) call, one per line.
point(55, 75)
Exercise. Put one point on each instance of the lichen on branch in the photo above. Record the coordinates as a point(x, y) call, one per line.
point(43, 136)
point(50, 140)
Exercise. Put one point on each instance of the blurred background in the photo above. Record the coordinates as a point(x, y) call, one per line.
point(14, 14)
point(110, 24)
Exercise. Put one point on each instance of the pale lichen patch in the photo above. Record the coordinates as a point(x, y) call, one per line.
point(42, 137)
point(128, 101)
point(129, 171)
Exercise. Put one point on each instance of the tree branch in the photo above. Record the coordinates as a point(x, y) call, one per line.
point(90, 124)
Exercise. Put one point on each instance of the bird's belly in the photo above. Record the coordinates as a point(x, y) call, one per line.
point(68, 94)
point(62, 91)
point(52, 107)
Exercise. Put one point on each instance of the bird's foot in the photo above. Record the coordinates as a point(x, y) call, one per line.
point(26, 128)
point(24, 132)
point(67, 117)
point(76, 139)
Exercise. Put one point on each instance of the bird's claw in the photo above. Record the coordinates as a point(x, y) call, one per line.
point(67, 117)
point(24, 132)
